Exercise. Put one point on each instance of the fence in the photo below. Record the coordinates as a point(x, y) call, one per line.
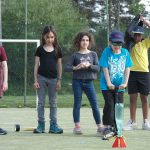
point(15, 65)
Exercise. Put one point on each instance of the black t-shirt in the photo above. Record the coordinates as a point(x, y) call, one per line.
point(48, 62)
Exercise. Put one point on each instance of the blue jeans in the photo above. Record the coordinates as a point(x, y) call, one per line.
point(87, 86)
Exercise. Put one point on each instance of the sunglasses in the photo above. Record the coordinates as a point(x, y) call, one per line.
point(116, 43)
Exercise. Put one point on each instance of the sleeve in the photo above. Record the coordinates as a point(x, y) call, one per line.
point(103, 61)
point(60, 55)
point(147, 42)
point(94, 67)
point(128, 60)
point(69, 65)
point(38, 50)
point(3, 56)
point(129, 41)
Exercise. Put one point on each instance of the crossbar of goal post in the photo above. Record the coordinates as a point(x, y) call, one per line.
point(25, 70)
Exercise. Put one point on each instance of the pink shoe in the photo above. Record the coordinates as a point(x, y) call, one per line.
point(77, 130)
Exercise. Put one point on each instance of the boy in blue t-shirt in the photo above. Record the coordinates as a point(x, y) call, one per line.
point(115, 62)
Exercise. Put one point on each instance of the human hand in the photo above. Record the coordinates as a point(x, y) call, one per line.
point(145, 22)
point(36, 85)
point(87, 64)
point(111, 86)
point(58, 85)
point(141, 18)
point(79, 66)
point(5, 86)
point(122, 86)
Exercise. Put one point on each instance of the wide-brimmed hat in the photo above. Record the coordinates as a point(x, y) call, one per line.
point(116, 36)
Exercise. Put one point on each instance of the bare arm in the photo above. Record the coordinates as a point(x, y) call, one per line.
point(107, 77)
point(59, 73)
point(145, 22)
point(36, 66)
point(5, 75)
point(126, 78)
point(59, 69)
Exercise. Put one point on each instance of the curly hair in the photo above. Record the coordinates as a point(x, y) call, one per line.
point(78, 38)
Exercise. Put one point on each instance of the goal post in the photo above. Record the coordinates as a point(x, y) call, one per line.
point(20, 41)
point(37, 41)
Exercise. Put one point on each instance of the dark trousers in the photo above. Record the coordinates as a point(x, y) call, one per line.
point(109, 106)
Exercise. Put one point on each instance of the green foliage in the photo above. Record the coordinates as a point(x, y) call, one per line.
point(60, 13)
point(68, 17)
point(136, 9)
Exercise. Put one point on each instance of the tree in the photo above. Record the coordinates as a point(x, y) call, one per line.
point(60, 13)
point(93, 11)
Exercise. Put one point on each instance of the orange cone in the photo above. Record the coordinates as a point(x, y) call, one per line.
point(119, 143)
point(122, 142)
point(116, 143)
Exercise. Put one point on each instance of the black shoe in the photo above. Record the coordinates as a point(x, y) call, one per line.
point(2, 132)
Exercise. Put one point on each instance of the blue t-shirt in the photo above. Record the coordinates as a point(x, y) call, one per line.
point(116, 64)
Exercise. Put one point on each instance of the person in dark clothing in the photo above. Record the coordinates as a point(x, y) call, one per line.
point(47, 75)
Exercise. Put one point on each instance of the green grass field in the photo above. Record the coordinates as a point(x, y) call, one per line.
point(64, 101)
point(26, 140)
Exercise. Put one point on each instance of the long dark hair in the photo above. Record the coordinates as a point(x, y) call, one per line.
point(56, 45)
point(78, 38)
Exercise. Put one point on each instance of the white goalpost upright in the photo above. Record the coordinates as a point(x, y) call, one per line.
point(37, 41)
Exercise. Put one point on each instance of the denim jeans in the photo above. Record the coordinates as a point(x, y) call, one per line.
point(47, 85)
point(87, 86)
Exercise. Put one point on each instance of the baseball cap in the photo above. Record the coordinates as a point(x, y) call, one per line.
point(138, 29)
point(116, 36)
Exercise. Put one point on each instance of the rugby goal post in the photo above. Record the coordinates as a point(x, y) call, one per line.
point(37, 41)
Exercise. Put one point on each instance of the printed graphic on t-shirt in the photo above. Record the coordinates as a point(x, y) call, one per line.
point(116, 69)
point(85, 60)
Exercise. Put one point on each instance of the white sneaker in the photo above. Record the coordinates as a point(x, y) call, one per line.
point(130, 125)
point(146, 125)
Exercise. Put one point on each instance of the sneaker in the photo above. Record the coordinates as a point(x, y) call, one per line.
point(2, 132)
point(108, 134)
point(146, 125)
point(77, 130)
point(130, 125)
point(40, 128)
point(101, 130)
point(54, 128)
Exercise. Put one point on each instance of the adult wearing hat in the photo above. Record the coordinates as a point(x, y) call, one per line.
point(139, 80)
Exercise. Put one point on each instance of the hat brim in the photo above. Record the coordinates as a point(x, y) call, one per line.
point(117, 40)
point(137, 32)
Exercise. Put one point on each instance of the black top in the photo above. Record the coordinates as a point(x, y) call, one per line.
point(48, 62)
